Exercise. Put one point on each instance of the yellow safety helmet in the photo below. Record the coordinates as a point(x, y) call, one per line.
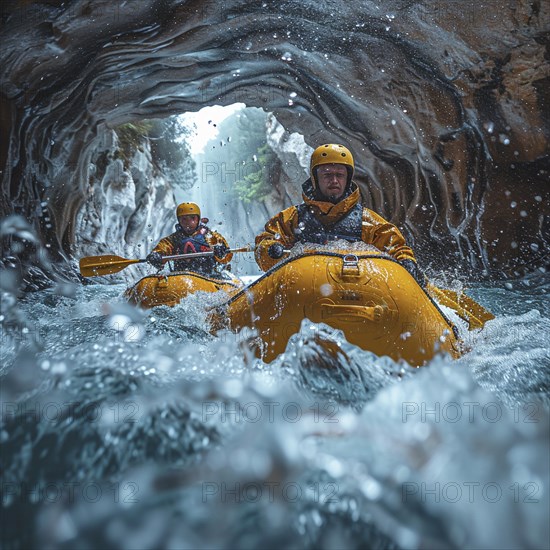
point(331, 153)
point(188, 209)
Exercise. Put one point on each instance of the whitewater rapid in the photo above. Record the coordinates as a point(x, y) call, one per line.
point(140, 429)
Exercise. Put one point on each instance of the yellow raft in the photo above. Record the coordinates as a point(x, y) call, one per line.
point(369, 296)
point(170, 289)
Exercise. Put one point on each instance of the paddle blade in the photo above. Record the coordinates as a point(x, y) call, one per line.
point(94, 266)
point(470, 305)
point(466, 308)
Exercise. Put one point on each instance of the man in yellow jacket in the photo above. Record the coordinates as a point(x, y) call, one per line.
point(191, 236)
point(331, 210)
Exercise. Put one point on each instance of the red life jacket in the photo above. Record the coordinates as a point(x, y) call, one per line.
point(190, 244)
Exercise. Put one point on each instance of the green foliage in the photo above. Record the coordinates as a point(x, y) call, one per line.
point(239, 159)
point(131, 137)
point(169, 150)
point(257, 185)
point(166, 147)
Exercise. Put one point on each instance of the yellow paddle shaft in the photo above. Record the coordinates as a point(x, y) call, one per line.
point(95, 266)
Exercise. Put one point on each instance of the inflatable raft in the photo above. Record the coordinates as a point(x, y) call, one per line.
point(368, 295)
point(170, 289)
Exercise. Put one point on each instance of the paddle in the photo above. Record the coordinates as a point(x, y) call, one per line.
point(94, 266)
point(466, 308)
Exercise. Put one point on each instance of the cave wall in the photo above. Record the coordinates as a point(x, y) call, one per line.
point(294, 155)
point(130, 204)
point(444, 104)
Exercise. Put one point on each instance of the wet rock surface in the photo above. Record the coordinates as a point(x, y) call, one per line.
point(443, 104)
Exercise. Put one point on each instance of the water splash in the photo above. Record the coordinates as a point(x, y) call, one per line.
point(185, 435)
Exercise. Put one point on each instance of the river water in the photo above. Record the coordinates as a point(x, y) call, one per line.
point(124, 429)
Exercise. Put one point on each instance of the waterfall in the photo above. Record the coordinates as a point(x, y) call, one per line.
point(223, 163)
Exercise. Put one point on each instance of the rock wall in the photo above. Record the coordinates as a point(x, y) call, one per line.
point(127, 209)
point(294, 155)
point(444, 104)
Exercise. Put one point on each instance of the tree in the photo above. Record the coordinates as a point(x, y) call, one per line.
point(169, 149)
point(258, 184)
point(242, 156)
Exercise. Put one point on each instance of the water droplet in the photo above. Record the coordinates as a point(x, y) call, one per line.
point(59, 368)
point(326, 290)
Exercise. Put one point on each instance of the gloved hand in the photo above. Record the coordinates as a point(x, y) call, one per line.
point(155, 259)
point(276, 251)
point(415, 271)
point(220, 251)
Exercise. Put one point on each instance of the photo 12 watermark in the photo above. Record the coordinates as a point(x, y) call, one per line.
point(216, 173)
point(470, 491)
point(249, 94)
point(251, 412)
point(470, 411)
point(55, 412)
point(21, 14)
point(269, 491)
point(70, 492)
point(452, 12)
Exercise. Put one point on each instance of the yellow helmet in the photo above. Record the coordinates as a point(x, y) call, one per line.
point(188, 209)
point(331, 153)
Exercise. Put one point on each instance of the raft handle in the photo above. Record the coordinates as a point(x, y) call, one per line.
point(353, 314)
point(351, 265)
